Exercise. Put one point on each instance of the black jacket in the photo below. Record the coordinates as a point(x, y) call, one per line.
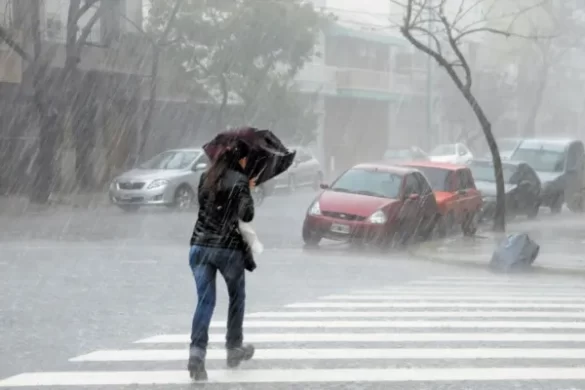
point(219, 213)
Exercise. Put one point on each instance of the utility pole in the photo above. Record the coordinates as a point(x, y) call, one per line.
point(430, 135)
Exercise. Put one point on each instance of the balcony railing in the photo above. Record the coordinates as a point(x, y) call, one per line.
point(363, 79)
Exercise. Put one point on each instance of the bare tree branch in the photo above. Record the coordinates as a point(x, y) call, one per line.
point(87, 29)
point(83, 9)
point(170, 21)
point(6, 37)
point(458, 53)
point(139, 29)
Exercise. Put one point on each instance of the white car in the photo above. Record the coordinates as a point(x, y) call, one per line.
point(451, 153)
point(306, 171)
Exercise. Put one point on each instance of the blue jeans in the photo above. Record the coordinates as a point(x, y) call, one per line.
point(204, 263)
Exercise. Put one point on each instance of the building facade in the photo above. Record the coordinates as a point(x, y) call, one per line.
point(367, 84)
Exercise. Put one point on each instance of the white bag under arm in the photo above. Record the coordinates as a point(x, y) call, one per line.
point(251, 237)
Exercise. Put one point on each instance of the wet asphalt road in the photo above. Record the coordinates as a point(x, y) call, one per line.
point(78, 281)
point(278, 221)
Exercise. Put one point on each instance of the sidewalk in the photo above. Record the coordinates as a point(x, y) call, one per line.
point(562, 247)
point(19, 205)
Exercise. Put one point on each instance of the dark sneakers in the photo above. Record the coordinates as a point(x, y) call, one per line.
point(196, 367)
point(237, 355)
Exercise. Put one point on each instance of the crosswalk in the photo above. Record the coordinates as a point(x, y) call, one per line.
point(441, 330)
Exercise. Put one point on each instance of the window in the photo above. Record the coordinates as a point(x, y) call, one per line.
point(541, 160)
point(411, 186)
point(111, 20)
point(369, 182)
point(419, 154)
point(465, 179)
point(303, 155)
point(437, 177)
point(203, 159)
point(55, 29)
point(574, 156)
point(462, 150)
point(507, 145)
point(423, 184)
point(6, 14)
point(444, 150)
point(484, 171)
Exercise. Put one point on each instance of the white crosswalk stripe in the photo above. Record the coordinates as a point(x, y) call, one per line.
point(447, 330)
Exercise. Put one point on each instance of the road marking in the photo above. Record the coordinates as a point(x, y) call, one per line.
point(496, 293)
point(458, 298)
point(490, 278)
point(374, 337)
point(479, 278)
point(417, 314)
point(480, 287)
point(350, 375)
point(447, 305)
point(477, 283)
point(409, 324)
point(139, 262)
point(144, 355)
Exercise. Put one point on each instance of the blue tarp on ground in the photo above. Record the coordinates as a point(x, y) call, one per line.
point(516, 253)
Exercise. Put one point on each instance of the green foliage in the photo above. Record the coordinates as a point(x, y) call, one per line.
point(244, 52)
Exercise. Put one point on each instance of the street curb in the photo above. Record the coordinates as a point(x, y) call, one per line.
point(424, 254)
point(20, 206)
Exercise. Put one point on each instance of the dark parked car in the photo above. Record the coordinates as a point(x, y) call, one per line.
point(560, 165)
point(373, 203)
point(521, 183)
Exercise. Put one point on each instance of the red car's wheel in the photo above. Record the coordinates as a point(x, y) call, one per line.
point(445, 224)
point(310, 237)
point(469, 225)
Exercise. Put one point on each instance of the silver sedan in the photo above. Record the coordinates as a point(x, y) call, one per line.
point(168, 179)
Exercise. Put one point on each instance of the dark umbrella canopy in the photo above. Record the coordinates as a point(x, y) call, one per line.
point(268, 156)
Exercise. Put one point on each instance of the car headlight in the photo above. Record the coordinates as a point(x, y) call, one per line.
point(157, 184)
point(378, 217)
point(315, 209)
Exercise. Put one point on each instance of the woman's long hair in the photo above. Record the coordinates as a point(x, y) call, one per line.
point(227, 159)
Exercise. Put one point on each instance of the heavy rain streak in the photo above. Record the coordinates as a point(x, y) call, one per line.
point(292, 194)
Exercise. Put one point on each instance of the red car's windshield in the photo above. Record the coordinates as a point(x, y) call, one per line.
point(369, 182)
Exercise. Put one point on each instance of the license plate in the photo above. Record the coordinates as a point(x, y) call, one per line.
point(126, 197)
point(338, 228)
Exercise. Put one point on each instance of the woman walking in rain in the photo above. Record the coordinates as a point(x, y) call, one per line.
point(218, 245)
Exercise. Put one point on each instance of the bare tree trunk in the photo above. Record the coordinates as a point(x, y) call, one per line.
point(43, 172)
point(75, 99)
point(156, 51)
point(147, 123)
point(486, 126)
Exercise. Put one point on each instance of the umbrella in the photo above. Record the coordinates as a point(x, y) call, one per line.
point(268, 156)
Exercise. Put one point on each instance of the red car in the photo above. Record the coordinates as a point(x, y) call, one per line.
point(459, 201)
point(373, 203)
